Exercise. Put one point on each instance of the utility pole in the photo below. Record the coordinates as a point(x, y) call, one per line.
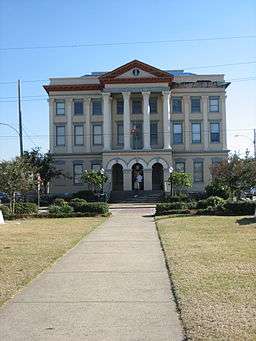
point(254, 142)
point(20, 121)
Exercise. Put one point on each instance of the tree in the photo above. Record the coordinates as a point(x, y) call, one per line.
point(94, 179)
point(180, 180)
point(16, 176)
point(44, 165)
point(236, 173)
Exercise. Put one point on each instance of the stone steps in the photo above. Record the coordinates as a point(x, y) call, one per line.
point(133, 197)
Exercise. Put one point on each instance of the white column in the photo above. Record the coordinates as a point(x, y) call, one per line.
point(186, 100)
point(52, 131)
point(205, 122)
point(127, 124)
point(107, 121)
point(224, 120)
point(146, 120)
point(166, 119)
point(87, 125)
point(70, 128)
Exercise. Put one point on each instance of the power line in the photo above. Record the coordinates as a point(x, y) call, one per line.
point(124, 43)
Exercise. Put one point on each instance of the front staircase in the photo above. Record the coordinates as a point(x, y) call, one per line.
point(133, 197)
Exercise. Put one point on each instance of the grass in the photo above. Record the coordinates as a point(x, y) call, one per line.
point(29, 246)
point(212, 261)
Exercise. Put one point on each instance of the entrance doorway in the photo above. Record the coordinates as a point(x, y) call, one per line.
point(137, 169)
point(157, 176)
point(117, 177)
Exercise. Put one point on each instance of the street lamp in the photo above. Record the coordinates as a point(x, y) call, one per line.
point(253, 141)
point(171, 171)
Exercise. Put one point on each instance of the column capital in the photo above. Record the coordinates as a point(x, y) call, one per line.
point(87, 99)
point(126, 94)
point(106, 94)
point(146, 93)
point(204, 97)
point(166, 93)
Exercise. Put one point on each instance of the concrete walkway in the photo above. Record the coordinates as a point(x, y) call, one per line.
point(113, 286)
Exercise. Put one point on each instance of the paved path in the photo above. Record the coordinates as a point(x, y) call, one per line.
point(113, 286)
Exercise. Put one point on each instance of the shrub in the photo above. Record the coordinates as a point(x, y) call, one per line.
point(217, 189)
point(172, 211)
point(210, 202)
point(239, 207)
point(164, 208)
point(86, 195)
point(180, 198)
point(60, 202)
point(92, 207)
point(64, 209)
point(7, 214)
point(26, 208)
point(76, 203)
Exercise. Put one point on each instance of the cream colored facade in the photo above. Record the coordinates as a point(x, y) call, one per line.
point(143, 116)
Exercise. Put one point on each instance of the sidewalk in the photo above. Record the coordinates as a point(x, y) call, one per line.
point(113, 286)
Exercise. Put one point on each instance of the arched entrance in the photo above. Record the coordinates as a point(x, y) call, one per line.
point(117, 177)
point(157, 176)
point(137, 169)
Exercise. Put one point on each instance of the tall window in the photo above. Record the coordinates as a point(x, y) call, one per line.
point(97, 134)
point(214, 103)
point(136, 106)
point(60, 135)
point(180, 166)
point(153, 133)
point(153, 105)
point(177, 133)
point(60, 107)
point(78, 169)
point(120, 134)
point(196, 132)
point(177, 105)
point(96, 107)
point(195, 104)
point(78, 107)
point(96, 165)
point(79, 135)
point(120, 107)
point(198, 171)
point(215, 132)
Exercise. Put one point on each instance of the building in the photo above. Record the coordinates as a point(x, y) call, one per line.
point(137, 119)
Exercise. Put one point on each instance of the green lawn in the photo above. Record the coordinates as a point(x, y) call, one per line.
point(212, 261)
point(29, 246)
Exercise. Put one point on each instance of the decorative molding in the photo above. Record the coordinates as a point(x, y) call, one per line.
point(72, 87)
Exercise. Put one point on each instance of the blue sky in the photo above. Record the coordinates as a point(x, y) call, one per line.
point(43, 23)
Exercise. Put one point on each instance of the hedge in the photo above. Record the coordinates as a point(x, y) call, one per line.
point(230, 208)
point(63, 209)
point(25, 208)
point(211, 201)
point(92, 207)
point(172, 199)
point(164, 208)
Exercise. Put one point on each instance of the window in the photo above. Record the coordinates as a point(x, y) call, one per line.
point(96, 107)
point(60, 166)
point(78, 135)
point(78, 107)
point(60, 135)
point(120, 107)
point(96, 166)
point(198, 171)
point(180, 166)
point(176, 105)
point(153, 133)
point(78, 169)
point(215, 132)
point(196, 132)
point(120, 134)
point(97, 134)
point(195, 104)
point(136, 106)
point(177, 133)
point(153, 105)
point(214, 104)
point(60, 107)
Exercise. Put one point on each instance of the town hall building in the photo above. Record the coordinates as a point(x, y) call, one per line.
point(137, 119)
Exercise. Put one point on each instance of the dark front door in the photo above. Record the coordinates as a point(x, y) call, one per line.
point(137, 170)
point(157, 177)
point(117, 177)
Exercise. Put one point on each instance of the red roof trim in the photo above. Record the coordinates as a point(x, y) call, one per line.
point(72, 87)
point(137, 80)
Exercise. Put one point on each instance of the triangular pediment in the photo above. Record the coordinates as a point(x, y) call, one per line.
point(136, 70)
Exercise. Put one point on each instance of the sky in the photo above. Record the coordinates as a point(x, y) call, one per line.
point(32, 23)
